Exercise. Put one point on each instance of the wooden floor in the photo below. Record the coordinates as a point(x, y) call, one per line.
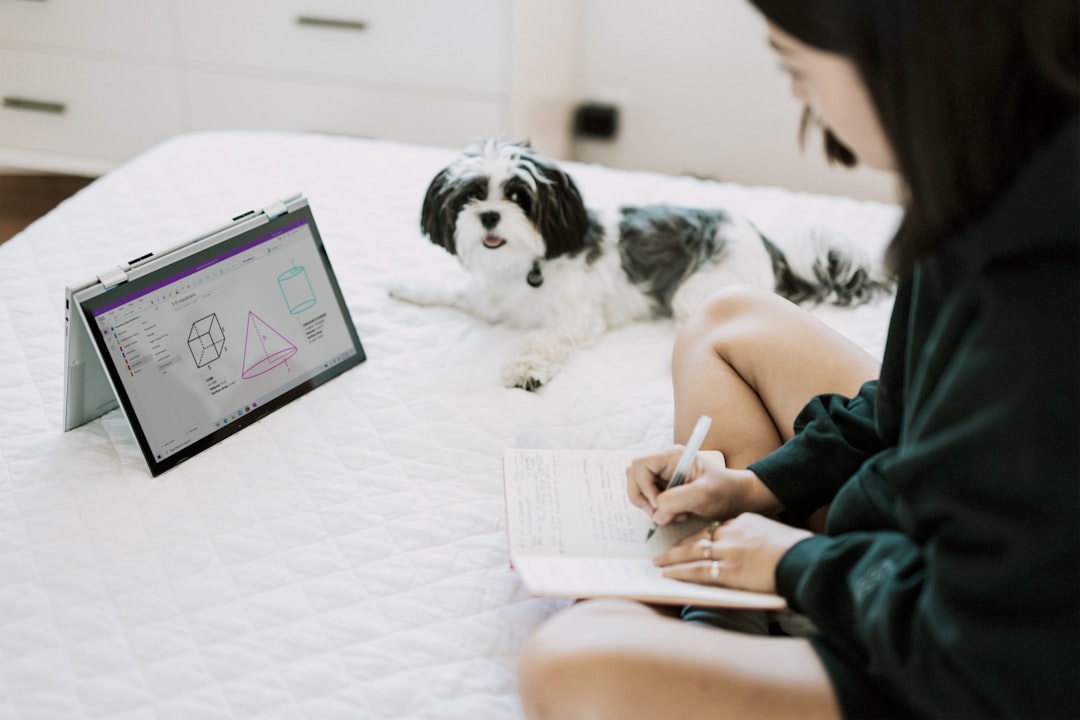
point(25, 198)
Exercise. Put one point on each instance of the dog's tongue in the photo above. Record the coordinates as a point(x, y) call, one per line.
point(493, 241)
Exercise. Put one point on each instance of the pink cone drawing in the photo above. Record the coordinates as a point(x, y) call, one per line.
point(264, 348)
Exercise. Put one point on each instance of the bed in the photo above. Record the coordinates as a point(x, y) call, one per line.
point(346, 555)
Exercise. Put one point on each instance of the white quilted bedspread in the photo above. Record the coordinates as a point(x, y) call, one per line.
point(345, 556)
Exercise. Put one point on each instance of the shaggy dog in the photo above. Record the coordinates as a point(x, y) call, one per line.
point(537, 258)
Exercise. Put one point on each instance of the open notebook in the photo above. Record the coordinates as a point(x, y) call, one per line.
point(574, 533)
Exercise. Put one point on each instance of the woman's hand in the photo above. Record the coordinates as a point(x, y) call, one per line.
point(740, 553)
point(711, 490)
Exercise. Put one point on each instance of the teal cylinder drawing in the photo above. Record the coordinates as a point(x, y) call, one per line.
point(296, 289)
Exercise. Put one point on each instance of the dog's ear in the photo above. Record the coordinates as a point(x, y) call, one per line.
point(438, 217)
point(561, 216)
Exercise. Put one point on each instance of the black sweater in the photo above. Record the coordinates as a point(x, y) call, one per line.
point(948, 581)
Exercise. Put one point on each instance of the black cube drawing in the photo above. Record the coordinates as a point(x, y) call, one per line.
point(206, 340)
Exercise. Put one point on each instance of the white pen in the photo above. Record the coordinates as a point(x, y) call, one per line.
point(701, 429)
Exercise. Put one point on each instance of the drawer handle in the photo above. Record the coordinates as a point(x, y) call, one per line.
point(332, 23)
point(41, 106)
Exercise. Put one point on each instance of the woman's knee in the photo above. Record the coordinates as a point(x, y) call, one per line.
point(736, 303)
point(729, 315)
point(565, 663)
point(577, 635)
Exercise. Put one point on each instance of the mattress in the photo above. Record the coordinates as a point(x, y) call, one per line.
point(346, 555)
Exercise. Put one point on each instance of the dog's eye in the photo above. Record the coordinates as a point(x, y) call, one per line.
point(472, 192)
point(520, 198)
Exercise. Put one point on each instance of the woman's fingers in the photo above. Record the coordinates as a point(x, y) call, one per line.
point(742, 552)
point(694, 547)
point(695, 558)
point(702, 572)
point(688, 499)
point(647, 476)
point(708, 489)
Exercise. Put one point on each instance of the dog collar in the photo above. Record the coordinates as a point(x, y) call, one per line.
point(535, 278)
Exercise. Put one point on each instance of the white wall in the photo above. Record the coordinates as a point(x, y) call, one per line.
point(701, 93)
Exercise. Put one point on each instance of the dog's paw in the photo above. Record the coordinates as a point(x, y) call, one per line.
point(527, 374)
point(415, 293)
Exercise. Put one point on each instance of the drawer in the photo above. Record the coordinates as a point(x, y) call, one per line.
point(91, 108)
point(459, 44)
point(117, 27)
point(219, 101)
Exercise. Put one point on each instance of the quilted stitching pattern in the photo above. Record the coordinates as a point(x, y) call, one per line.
point(346, 555)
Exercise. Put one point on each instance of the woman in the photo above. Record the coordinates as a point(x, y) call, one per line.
point(943, 578)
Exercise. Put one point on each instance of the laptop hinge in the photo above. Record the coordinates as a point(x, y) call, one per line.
point(275, 209)
point(113, 277)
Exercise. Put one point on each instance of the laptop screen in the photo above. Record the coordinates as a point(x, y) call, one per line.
point(201, 348)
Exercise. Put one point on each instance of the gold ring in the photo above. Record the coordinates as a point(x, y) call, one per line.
point(714, 571)
point(706, 548)
point(712, 529)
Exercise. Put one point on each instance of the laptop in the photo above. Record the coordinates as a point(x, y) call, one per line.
point(198, 342)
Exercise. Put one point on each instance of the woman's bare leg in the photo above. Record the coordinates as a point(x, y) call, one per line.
point(752, 360)
point(620, 660)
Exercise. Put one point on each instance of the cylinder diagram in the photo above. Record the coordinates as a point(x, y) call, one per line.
point(296, 289)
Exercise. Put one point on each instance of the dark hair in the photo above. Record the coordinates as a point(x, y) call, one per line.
point(966, 91)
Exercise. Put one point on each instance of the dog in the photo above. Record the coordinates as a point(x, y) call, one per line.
point(537, 258)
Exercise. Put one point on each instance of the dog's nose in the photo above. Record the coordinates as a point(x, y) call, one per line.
point(489, 220)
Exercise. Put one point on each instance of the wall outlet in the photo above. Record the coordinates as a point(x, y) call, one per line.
point(596, 121)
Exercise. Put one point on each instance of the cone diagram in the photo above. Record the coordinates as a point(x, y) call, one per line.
point(264, 348)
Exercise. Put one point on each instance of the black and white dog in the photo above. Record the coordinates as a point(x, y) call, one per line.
point(537, 258)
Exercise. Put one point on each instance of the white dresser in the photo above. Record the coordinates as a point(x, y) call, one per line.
point(86, 84)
